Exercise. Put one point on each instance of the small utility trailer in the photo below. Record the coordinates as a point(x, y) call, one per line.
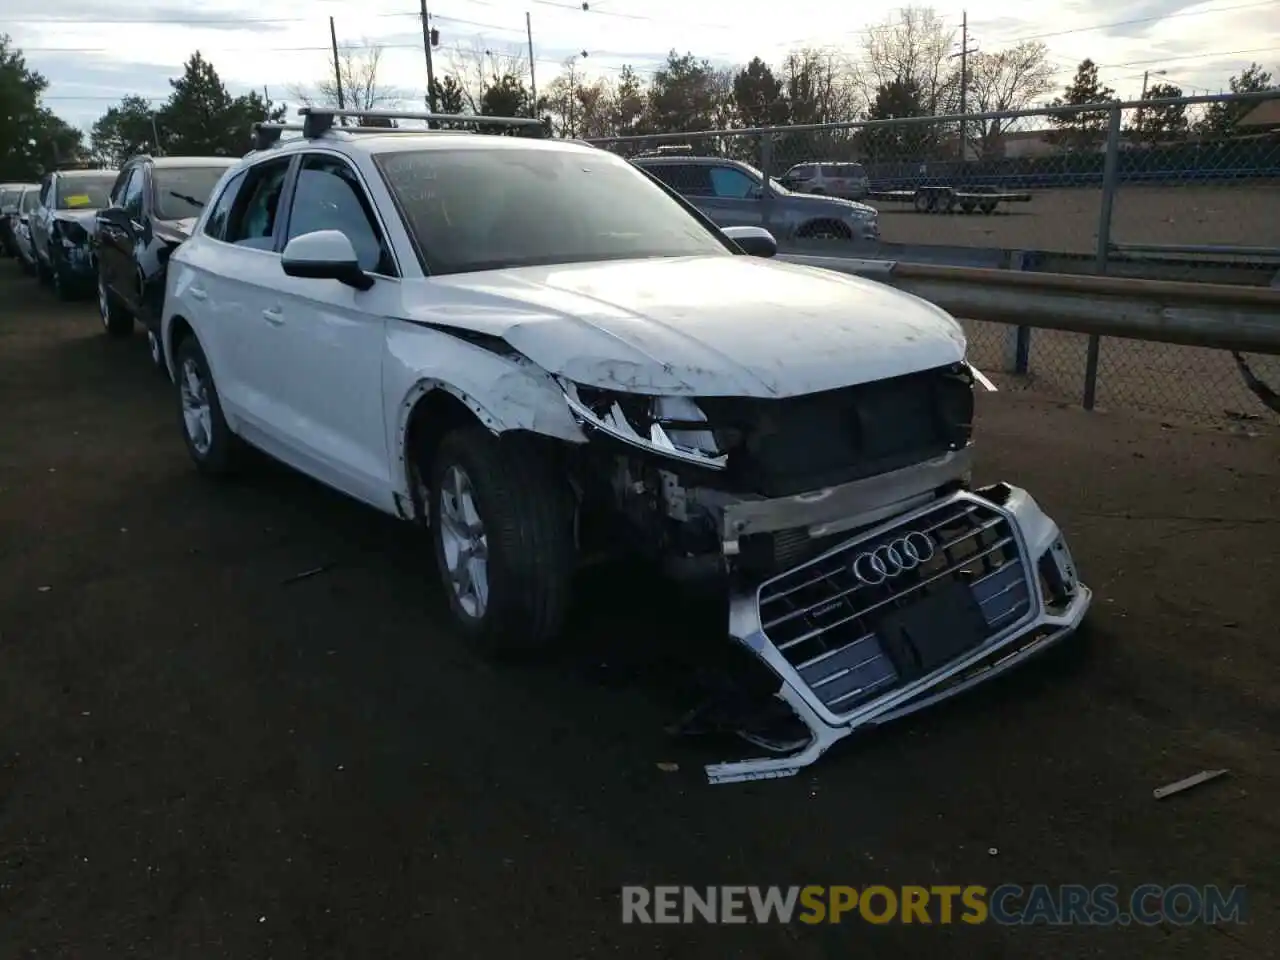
point(944, 199)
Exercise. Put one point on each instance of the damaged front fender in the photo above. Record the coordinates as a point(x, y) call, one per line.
point(504, 390)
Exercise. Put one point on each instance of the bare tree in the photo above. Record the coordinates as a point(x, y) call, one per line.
point(361, 90)
point(913, 47)
point(578, 106)
point(477, 67)
point(1011, 79)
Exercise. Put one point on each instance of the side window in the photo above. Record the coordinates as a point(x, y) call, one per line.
point(800, 173)
point(251, 221)
point(216, 225)
point(730, 183)
point(131, 199)
point(831, 170)
point(119, 187)
point(687, 179)
point(46, 192)
point(330, 197)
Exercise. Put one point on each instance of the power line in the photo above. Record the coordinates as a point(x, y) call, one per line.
point(1126, 23)
point(641, 71)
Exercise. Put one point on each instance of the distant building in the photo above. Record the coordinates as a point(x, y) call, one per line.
point(1263, 118)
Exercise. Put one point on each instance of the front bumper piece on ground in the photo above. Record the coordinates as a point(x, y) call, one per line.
point(851, 654)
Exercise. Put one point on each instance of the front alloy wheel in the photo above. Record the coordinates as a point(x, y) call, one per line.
point(501, 518)
point(464, 547)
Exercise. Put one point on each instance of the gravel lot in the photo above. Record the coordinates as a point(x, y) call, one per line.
point(198, 759)
point(1067, 220)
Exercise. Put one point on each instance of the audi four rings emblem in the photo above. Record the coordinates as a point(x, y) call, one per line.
point(892, 558)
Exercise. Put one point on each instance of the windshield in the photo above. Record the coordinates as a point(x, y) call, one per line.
point(485, 209)
point(193, 183)
point(85, 193)
point(777, 187)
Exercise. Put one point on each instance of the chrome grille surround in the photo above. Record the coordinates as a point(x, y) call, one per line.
point(820, 620)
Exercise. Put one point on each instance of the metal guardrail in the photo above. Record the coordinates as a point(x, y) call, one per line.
point(1221, 316)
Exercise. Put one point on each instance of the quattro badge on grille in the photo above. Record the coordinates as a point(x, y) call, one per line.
point(890, 559)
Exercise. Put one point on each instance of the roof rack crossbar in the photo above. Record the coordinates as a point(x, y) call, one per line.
point(267, 135)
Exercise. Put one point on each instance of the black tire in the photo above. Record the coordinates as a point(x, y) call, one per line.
point(63, 289)
point(116, 320)
point(988, 207)
point(221, 455)
point(525, 512)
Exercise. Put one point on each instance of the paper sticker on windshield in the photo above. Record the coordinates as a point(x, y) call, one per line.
point(78, 200)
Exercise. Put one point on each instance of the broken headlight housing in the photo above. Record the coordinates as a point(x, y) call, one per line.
point(673, 427)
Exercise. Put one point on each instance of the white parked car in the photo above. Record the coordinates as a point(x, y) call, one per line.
point(534, 350)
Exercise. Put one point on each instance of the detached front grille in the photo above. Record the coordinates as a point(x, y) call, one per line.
point(844, 635)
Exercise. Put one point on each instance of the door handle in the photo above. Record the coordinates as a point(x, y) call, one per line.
point(198, 293)
point(273, 316)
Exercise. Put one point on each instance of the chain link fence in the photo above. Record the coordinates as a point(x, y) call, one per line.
point(1183, 189)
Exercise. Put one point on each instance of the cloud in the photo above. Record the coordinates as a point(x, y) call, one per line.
point(58, 15)
point(106, 60)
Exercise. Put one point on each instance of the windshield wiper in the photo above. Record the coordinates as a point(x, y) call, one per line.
point(187, 198)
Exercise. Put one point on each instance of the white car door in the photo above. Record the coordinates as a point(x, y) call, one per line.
point(326, 341)
point(236, 278)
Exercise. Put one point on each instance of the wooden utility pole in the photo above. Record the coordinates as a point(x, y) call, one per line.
point(964, 82)
point(337, 67)
point(426, 48)
point(533, 83)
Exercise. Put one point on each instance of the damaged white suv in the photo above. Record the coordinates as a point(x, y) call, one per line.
point(535, 350)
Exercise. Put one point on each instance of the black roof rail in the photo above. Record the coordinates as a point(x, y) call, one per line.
point(316, 121)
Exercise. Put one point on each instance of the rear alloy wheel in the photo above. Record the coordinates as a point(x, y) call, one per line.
point(117, 321)
point(214, 449)
point(502, 526)
point(155, 346)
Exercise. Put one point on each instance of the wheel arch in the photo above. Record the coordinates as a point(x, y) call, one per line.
point(434, 407)
point(172, 332)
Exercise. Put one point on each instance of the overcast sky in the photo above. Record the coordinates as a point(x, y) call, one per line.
point(91, 62)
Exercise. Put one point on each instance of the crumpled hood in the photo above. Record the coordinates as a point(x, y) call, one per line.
point(701, 326)
point(85, 218)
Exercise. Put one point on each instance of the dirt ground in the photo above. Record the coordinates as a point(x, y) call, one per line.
point(1067, 220)
point(201, 759)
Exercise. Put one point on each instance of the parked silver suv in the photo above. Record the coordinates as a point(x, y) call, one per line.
point(848, 180)
point(730, 193)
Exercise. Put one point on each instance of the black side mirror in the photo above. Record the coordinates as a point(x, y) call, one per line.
point(115, 216)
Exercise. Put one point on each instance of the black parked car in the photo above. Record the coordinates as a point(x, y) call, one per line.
point(62, 227)
point(154, 204)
